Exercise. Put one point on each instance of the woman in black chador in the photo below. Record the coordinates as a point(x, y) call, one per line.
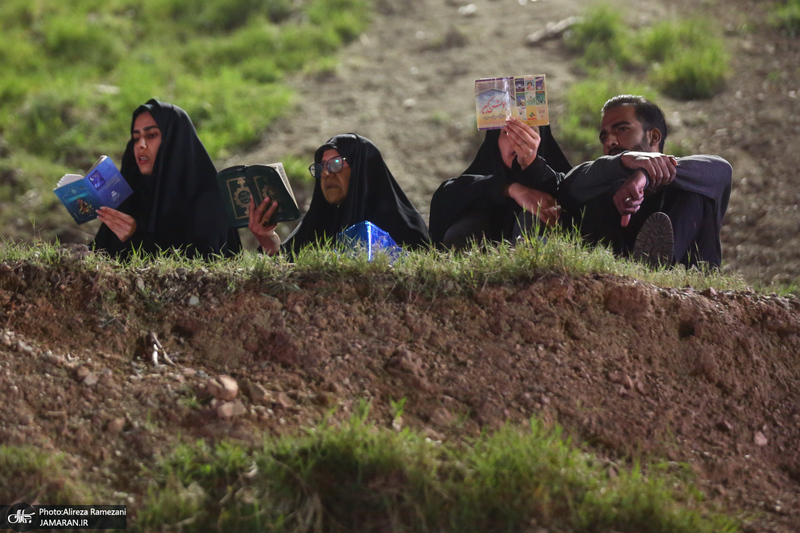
point(175, 203)
point(352, 185)
point(512, 172)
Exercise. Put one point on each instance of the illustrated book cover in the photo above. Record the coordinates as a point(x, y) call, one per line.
point(496, 99)
point(102, 186)
point(238, 183)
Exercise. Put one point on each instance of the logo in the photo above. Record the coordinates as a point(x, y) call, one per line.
point(21, 517)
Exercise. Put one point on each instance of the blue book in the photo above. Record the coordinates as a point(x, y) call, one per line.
point(369, 238)
point(103, 186)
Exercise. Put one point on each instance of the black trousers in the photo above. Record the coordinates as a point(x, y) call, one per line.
point(694, 225)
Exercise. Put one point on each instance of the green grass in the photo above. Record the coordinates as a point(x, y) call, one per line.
point(579, 125)
point(689, 61)
point(427, 271)
point(33, 475)
point(362, 477)
point(603, 38)
point(682, 59)
point(73, 72)
point(786, 16)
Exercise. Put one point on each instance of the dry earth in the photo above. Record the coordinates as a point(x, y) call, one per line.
point(627, 368)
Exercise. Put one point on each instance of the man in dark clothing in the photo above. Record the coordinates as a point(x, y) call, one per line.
point(619, 192)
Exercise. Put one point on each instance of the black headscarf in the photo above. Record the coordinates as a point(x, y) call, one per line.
point(479, 187)
point(373, 195)
point(179, 205)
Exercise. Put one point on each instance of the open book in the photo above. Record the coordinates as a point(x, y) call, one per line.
point(238, 183)
point(525, 97)
point(102, 186)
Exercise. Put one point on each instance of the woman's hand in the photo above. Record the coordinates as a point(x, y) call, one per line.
point(259, 225)
point(526, 140)
point(123, 226)
point(540, 203)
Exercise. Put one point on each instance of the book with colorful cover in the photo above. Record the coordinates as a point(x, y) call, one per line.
point(238, 183)
point(103, 186)
point(525, 97)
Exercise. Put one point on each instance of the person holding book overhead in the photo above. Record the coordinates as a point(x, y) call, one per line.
point(353, 184)
point(499, 193)
point(176, 204)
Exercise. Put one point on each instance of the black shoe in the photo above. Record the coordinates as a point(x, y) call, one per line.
point(655, 241)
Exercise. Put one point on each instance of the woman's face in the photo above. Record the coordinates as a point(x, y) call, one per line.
point(146, 140)
point(334, 185)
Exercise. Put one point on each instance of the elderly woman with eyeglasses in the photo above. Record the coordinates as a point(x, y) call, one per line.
point(352, 185)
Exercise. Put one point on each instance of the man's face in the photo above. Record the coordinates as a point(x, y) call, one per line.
point(620, 131)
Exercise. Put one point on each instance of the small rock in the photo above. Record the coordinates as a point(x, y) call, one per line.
point(293, 381)
point(82, 372)
point(91, 379)
point(322, 399)
point(709, 292)
point(231, 409)
point(116, 425)
point(760, 439)
point(223, 388)
point(256, 392)
point(283, 400)
point(724, 425)
point(468, 10)
point(194, 300)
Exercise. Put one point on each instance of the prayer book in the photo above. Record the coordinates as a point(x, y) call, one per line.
point(238, 183)
point(103, 186)
point(525, 97)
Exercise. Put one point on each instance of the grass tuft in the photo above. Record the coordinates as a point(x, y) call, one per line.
point(786, 16)
point(75, 71)
point(362, 477)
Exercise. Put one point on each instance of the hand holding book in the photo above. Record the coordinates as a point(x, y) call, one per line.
point(261, 225)
point(525, 140)
point(123, 226)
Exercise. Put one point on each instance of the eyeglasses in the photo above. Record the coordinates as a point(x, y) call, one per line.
point(333, 165)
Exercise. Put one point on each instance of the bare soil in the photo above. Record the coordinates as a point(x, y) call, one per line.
point(627, 368)
point(630, 370)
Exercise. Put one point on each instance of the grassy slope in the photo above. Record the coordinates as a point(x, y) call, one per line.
point(74, 71)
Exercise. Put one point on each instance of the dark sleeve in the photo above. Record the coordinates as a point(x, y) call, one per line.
point(456, 196)
point(594, 178)
point(708, 175)
point(540, 176)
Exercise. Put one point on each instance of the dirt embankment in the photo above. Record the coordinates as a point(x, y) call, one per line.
point(629, 369)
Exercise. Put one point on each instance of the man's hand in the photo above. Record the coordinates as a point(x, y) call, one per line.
point(659, 167)
point(540, 203)
point(628, 199)
point(123, 226)
point(526, 140)
point(259, 225)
